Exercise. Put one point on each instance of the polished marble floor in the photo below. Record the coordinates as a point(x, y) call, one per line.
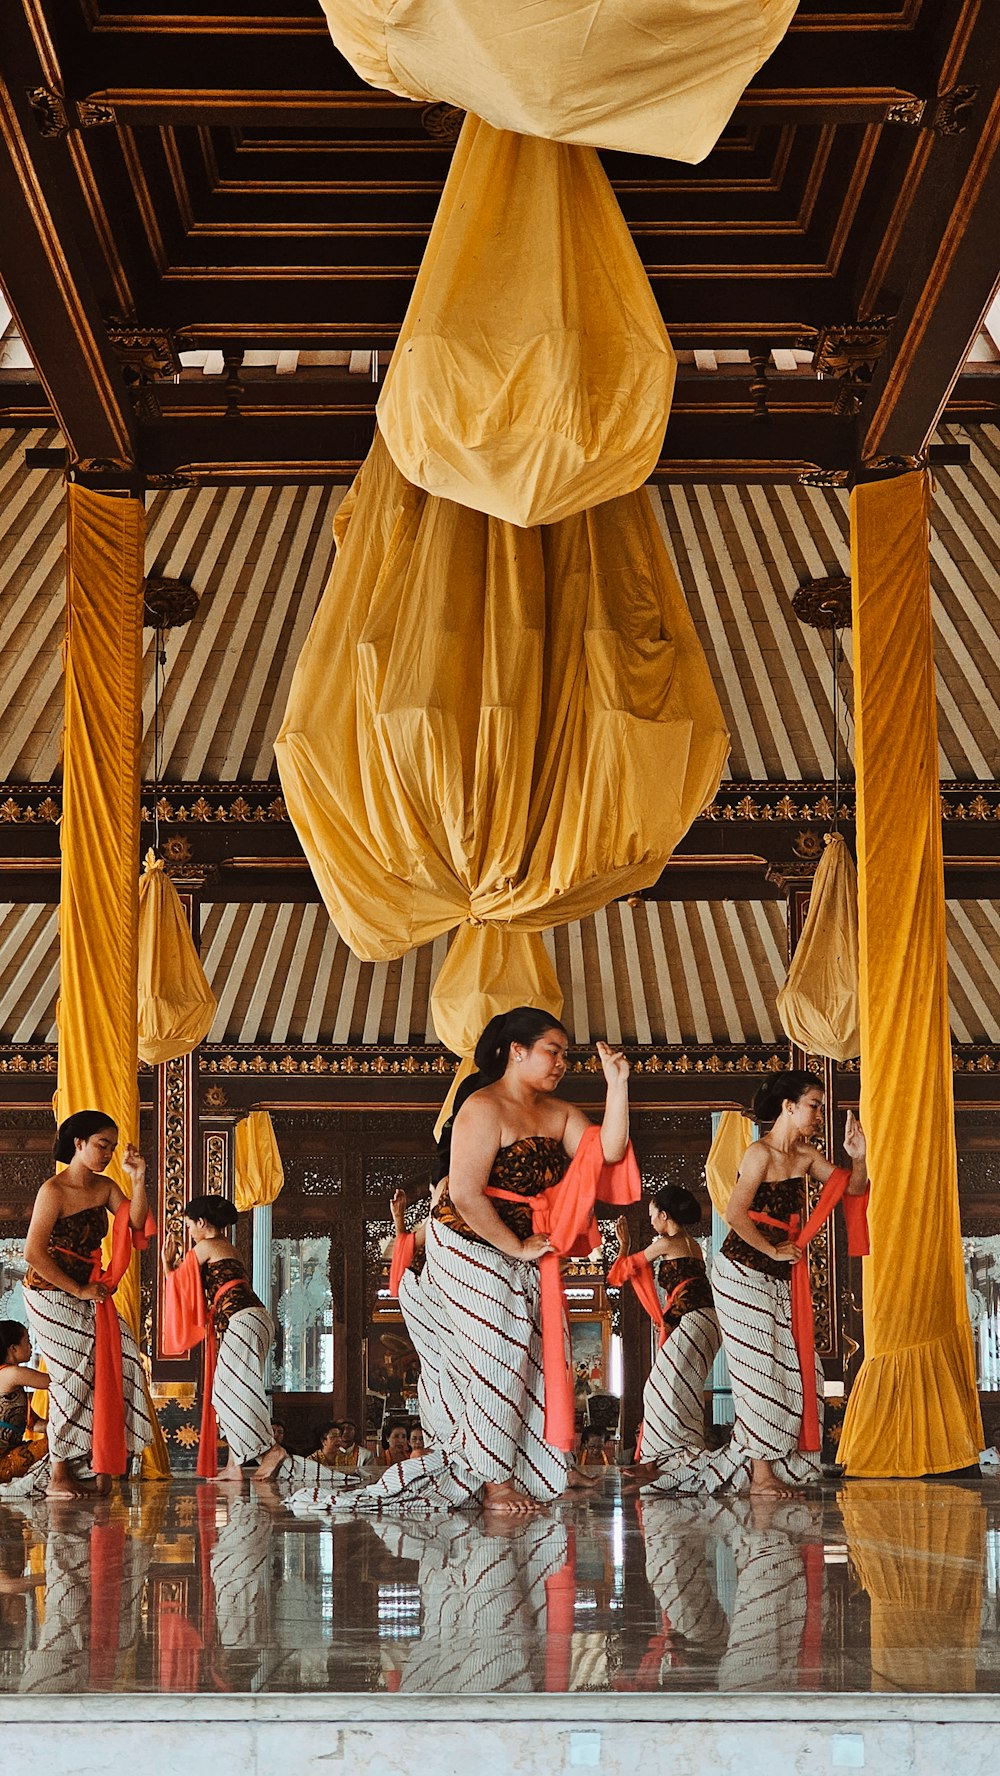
point(871, 1587)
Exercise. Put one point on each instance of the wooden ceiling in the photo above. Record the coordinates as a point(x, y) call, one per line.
point(202, 177)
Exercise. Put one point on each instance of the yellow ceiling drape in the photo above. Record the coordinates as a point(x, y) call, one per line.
point(176, 1003)
point(259, 1173)
point(98, 913)
point(729, 1143)
point(818, 1004)
point(487, 724)
point(536, 405)
point(644, 76)
point(914, 1408)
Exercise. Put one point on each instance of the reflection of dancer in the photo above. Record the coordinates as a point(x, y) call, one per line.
point(24, 1468)
point(775, 1635)
point(673, 1400)
point(69, 1301)
point(241, 1575)
point(502, 1316)
point(209, 1296)
point(694, 1627)
point(764, 1307)
point(492, 1604)
point(94, 1577)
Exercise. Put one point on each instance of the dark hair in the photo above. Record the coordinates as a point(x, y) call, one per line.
point(772, 1094)
point(679, 1204)
point(79, 1127)
point(344, 1422)
point(218, 1211)
point(524, 1024)
point(398, 1424)
point(591, 1431)
point(11, 1332)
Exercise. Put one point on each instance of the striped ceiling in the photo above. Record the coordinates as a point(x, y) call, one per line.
point(259, 557)
point(661, 972)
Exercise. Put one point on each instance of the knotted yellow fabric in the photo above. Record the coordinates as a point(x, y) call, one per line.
point(98, 911)
point(818, 1004)
point(533, 374)
point(259, 1173)
point(729, 1143)
point(645, 76)
point(490, 724)
point(914, 1408)
point(176, 1003)
point(511, 967)
point(921, 1563)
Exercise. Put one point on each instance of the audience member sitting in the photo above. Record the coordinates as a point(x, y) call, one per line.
point(395, 1445)
point(353, 1454)
point(417, 1444)
point(591, 1452)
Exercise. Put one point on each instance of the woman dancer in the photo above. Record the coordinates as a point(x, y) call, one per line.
point(64, 1295)
point(776, 1377)
point(673, 1400)
point(210, 1296)
point(511, 1140)
point(23, 1467)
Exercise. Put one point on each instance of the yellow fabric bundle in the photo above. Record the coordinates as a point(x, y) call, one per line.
point(490, 724)
point(259, 1173)
point(913, 1409)
point(818, 1004)
point(644, 76)
point(533, 374)
point(731, 1140)
point(176, 1003)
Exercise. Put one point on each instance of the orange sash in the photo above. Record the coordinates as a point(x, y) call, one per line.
point(564, 1213)
point(185, 1323)
point(402, 1258)
point(109, 1454)
point(803, 1329)
point(635, 1268)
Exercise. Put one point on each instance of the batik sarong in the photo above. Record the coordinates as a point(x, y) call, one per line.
point(241, 1405)
point(63, 1332)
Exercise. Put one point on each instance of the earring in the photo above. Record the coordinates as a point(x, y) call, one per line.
point(519, 1058)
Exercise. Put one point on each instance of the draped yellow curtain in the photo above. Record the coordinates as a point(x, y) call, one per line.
point(536, 408)
point(921, 1562)
point(818, 1004)
point(644, 76)
point(259, 1172)
point(98, 912)
point(176, 1004)
point(491, 725)
point(914, 1408)
point(730, 1141)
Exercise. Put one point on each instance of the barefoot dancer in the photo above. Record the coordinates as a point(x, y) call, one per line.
point(776, 1377)
point(210, 1296)
point(673, 1400)
point(64, 1293)
point(512, 1141)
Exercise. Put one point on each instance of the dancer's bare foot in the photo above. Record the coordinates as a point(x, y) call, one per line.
point(63, 1483)
point(640, 1474)
point(764, 1482)
point(233, 1470)
point(269, 1464)
point(578, 1481)
point(503, 1497)
point(102, 1485)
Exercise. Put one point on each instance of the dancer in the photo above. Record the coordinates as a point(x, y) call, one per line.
point(673, 1400)
point(515, 1157)
point(69, 1301)
point(24, 1468)
point(209, 1296)
point(765, 1313)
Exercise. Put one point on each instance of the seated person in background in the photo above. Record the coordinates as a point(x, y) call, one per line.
point(353, 1454)
point(17, 1458)
point(395, 1445)
point(610, 1449)
point(278, 1433)
point(328, 1450)
point(417, 1444)
point(591, 1452)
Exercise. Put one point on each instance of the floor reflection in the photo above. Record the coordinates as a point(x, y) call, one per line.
point(189, 1587)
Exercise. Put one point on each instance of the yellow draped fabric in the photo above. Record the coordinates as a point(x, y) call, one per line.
point(490, 724)
point(921, 1562)
point(176, 1003)
point(914, 1408)
point(645, 76)
point(257, 1162)
point(512, 967)
point(98, 912)
point(731, 1140)
point(537, 405)
point(818, 1004)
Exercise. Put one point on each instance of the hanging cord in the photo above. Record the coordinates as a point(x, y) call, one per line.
point(159, 660)
point(836, 724)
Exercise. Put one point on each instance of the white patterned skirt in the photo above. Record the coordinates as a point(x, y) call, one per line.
point(62, 1330)
point(673, 1400)
point(241, 1405)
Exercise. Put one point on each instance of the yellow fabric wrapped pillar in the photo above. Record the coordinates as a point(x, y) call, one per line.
point(818, 1004)
point(914, 1408)
point(176, 1003)
point(257, 1162)
point(99, 907)
point(731, 1140)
